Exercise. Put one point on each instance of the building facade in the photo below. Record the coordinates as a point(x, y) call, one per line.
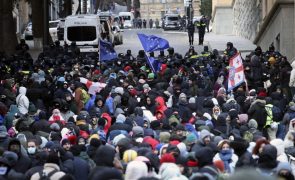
point(155, 9)
point(265, 22)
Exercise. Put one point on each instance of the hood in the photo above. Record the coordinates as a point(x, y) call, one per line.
point(22, 90)
point(260, 102)
point(204, 156)
point(204, 133)
point(279, 144)
point(161, 103)
point(136, 170)
point(293, 64)
point(138, 111)
point(105, 156)
point(221, 119)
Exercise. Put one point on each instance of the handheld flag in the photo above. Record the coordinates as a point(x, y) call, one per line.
point(236, 72)
point(154, 64)
point(152, 43)
point(106, 51)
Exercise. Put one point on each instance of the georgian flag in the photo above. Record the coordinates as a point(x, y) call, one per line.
point(236, 74)
point(93, 87)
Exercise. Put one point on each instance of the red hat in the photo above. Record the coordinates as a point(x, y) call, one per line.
point(192, 163)
point(220, 165)
point(174, 142)
point(127, 68)
point(133, 92)
point(167, 158)
point(151, 141)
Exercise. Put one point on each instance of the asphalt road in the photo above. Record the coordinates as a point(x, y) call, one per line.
point(178, 40)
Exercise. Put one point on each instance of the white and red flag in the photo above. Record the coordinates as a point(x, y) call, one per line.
point(236, 74)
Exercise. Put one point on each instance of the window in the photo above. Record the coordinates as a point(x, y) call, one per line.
point(82, 33)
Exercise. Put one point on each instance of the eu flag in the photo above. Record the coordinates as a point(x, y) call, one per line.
point(106, 51)
point(154, 64)
point(153, 43)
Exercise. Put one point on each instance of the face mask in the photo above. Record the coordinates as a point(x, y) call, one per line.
point(32, 150)
point(3, 170)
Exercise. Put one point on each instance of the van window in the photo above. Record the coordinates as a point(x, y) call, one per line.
point(172, 18)
point(53, 24)
point(126, 17)
point(82, 33)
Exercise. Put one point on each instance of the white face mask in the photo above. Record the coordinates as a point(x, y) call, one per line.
point(32, 150)
point(3, 170)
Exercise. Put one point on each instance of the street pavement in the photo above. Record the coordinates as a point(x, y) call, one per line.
point(177, 39)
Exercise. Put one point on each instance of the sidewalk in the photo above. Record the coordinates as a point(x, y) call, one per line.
point(218, 42)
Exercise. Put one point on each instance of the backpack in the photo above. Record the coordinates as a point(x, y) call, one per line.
point(277, 114)
point(85, 96)
point(44, 176)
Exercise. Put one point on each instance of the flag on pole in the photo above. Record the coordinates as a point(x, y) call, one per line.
point(106, 51)
point(153, 43)
point(154, 64)
point(236, 74)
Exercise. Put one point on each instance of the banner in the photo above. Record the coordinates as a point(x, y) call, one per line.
point(236, 74)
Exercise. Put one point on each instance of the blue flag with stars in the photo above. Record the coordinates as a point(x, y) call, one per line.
point(154, 64)
point(152, 43)
point(106, 51)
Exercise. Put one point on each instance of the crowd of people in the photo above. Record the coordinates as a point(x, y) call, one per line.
point(67, 116)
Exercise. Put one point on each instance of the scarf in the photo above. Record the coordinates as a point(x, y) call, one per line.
point(225, 156)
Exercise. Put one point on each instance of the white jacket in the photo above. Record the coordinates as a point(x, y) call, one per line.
point(22, 101)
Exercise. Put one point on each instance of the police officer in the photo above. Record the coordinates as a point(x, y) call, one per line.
point(202, 28)
point(190, 32)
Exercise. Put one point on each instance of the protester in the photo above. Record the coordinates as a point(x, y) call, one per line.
point(122, 119)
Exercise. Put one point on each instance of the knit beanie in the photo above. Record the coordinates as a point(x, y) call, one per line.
point(129, 155)
point(167, 158)
point(120, 118)
point(164, 137)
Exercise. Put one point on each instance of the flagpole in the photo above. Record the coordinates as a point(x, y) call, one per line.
point(99, 56)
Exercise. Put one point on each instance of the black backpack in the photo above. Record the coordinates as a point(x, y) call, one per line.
point(45, 176)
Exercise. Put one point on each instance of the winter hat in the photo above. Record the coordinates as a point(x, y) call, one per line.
point(182, 96)
point(135, 170)
point(191, 138)
point(167, 158)
point(49, 144)
point(120, 118)
point(55, 127)
point(164, 137)
point(219, 164)
point(11, 157)
point(182, 148)
point(137, 131)
point(119, 90)
point(141, 81)
point(151, 76)
point(149, 132)
point(102, 135)
point(252, 124)
point(3, 132)
point(124, 142)
point(146, 86)
point(129, 155)
point(243, 118)
point(151, 141)
point(118, 138)
point(65, 141)
point(252, 92)
point(217, 139)
point(192, 100)
point(204, 133)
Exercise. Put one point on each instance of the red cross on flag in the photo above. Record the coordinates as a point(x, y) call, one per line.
point(236, 74)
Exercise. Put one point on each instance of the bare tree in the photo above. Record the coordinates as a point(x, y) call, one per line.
point(8, 40)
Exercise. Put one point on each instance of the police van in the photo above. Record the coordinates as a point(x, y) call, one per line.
point(84, 30)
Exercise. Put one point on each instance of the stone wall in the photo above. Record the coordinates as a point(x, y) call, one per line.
point(247, 15)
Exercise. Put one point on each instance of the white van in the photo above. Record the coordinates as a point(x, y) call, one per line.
point(84, 30)
point(127, 18)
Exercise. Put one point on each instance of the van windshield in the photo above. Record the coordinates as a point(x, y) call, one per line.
point(172, 18)
point(82, 33)
point(126, 17)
